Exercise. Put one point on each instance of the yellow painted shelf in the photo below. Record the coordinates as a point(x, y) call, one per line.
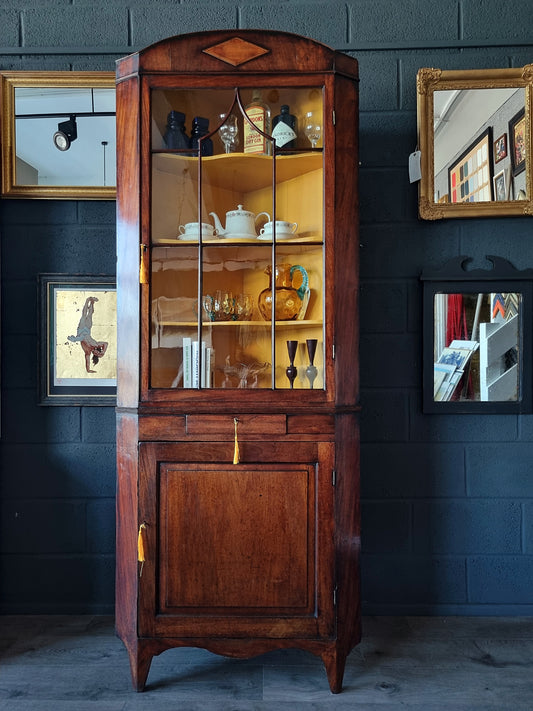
point(241, 171)
point(255, 324)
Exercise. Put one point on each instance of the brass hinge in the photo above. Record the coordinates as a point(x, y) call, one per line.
point(334, 477)
point(334, 117)
point(333, 351)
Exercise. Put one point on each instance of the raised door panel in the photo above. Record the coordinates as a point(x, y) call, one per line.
point(237, 549)
point(245, 535)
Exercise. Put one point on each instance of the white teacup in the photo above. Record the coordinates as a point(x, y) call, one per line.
point(191, 230)
point(283, 229)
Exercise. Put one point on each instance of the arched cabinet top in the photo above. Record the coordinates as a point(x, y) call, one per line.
point(237, 51)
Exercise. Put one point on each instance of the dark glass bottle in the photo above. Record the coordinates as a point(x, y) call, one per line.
point(175, 135)
point(284, 128)
point(200, 127)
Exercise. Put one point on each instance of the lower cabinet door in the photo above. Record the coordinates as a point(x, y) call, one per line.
point(236, 550)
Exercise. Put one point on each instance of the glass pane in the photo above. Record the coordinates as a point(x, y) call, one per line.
point(174, 315)
point(477, 347)
point(250, 212)
point(299, 281)
point(241, 340)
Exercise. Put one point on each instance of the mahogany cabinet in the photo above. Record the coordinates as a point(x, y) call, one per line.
point(238, 392)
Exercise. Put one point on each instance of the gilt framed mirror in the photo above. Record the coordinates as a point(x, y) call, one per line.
point(58, 135)
point(477, 338)
point(474, 137)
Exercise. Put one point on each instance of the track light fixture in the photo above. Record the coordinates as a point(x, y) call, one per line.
point(67, 132)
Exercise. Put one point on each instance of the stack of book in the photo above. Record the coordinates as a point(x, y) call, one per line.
point(450, 368)
point(196, 359)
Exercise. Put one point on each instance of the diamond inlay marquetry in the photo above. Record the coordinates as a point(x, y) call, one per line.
point(236, 51)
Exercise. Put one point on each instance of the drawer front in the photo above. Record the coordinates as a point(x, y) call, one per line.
point(247, 424)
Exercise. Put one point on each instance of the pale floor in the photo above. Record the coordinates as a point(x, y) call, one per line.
point(75, 663)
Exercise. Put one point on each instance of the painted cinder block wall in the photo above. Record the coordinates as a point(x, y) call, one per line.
point(447, 500)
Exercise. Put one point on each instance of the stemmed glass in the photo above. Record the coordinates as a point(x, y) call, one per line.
point(292, 370)
point(313, 127)
point(311, 371)
point(229, 132)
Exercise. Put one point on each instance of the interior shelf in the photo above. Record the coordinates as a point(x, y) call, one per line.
point(228, 242)
point(246, 172)
point(254, 324)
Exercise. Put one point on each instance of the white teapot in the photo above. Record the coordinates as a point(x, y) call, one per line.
point(240, 223)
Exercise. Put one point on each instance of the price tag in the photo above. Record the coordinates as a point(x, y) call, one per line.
point(414, 167)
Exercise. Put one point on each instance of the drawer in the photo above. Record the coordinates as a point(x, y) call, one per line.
point(225, 424)
point(161, 428)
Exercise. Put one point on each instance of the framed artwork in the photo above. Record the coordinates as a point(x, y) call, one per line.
point(78, 340)
point(500, 148)
point(517, 140)
point(500, 187)
point(470, 176)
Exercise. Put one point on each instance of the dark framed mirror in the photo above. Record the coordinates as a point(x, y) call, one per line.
point(477, 338)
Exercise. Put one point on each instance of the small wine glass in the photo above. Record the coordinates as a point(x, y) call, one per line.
point(244, 305)
point(229, 132)
point(313, 127)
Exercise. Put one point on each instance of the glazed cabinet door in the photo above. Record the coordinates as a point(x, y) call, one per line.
point(236, 259)
point(235, 550)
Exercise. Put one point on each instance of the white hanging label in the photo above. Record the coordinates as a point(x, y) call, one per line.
point(414, 167)
point(283, 134)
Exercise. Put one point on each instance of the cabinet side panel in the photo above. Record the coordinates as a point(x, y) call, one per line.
point(128, 242)
point(347, 244)
point(348, 538)
point(126, 527)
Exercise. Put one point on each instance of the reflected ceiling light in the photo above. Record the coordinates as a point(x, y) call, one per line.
point(66, 133)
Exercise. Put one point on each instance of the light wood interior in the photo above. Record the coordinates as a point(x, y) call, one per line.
point(234, 266)
point(237, 269)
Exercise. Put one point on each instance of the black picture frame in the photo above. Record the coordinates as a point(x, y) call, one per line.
point(518, 142)
point(502, 278)
point(467, 172)
point(77, 340)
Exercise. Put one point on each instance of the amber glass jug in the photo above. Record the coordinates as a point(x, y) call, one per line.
point(291, 302)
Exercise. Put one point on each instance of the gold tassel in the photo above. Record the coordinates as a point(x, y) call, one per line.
point(141, 557)
point(236, 454)
point(143, 273)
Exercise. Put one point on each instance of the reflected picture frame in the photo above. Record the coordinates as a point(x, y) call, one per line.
point(77, 340)
point(500, 186)
point(476, 160)
point(517, 134)
point(500, 148)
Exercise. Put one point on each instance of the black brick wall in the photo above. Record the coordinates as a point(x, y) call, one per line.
point(447, 501)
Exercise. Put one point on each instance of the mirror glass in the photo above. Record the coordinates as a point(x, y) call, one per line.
point(476, 346)
point(473, 156)
point(59, 134)
point(474, 138)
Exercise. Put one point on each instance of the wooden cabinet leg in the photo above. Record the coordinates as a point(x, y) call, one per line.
point(334, 662)
point(140, 660)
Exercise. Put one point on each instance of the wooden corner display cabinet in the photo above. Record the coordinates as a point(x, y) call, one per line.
point(238, 391)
